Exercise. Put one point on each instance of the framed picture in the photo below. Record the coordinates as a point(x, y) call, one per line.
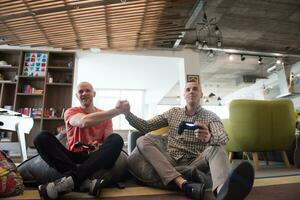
point(192, 78)
point(35, 64)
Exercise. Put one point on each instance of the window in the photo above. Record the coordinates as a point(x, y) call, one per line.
point(106, 99)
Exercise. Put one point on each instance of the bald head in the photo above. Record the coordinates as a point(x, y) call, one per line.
point(85, 94)
point(85, 84)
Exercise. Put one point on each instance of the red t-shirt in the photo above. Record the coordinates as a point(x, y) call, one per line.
point(86, 135)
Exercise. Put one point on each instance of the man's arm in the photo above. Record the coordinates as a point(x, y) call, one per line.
point(86, 120)
point(142, 125)
point(218, 133)
point(145, 126)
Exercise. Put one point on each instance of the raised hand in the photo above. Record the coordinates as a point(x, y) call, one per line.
point(124, 106)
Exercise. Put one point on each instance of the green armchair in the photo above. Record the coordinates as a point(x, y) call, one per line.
point(260, 126)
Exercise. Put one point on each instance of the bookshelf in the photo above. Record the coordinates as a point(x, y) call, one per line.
point(44, 95)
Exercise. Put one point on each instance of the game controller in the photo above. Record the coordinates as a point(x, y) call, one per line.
point(85, 146)
point(187, 125)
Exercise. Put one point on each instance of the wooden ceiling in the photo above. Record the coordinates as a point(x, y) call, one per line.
point(84, 24)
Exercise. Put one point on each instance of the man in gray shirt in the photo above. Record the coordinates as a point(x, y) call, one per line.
point(205, 145)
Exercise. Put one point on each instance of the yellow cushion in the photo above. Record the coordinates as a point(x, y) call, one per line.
point(161, 131)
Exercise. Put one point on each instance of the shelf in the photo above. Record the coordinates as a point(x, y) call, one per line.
point(37, 118)
point(7, 82)
point(53, 118)
point(59, 84)
point(32, 77)
point(8, 68)
point(29, 94)
point(60, 66)
point(52, 68)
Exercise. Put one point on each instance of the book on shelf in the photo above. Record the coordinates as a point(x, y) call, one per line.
point(31, 112)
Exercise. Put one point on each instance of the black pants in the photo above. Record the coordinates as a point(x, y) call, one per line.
point(66, 162)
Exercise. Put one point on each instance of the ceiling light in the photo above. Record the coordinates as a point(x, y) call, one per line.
point(204, 45)
point(272, 69)
point(259, 60)
point(231, 57)
point(219, 43)
point(207, 30)
point(278, 61)
point(219, 99)
point(217, 30)
point(204, 16)
point(211, 95)
point(211, 54)
point(95, 50)
point(243, 57)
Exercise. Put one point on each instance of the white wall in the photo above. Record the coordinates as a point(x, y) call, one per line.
point(156, 75)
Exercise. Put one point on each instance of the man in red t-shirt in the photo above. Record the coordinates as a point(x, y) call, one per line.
point(90, 143)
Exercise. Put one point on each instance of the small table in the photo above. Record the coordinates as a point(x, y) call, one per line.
point(14, 121)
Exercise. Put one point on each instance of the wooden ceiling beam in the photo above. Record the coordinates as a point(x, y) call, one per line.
point(43, 10)
point(39, 26)
point(73, 25)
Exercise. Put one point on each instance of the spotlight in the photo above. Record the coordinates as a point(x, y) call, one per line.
point(259, 60)
point(211, 54)
point(198, 44)
point(204, 16)
point(243, 57)
point(204, 45)
point(231, 57)
point(217, 30)
point(278, 61)
point(211, 95)
point(219, 99)
point(219, 43)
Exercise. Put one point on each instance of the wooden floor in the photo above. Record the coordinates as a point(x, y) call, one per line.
point(32, 194)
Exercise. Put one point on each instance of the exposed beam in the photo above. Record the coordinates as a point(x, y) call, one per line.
point(190, 22)
point(74, 6)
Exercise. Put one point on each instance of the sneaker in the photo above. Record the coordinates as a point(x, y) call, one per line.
point(193, 190)
point(94, 187)
point(297, 152)
point(52, 190)
point(238, 184)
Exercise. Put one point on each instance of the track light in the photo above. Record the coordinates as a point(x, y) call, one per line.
point(219, 43)
point(278, 61)
point(243, 57)
point(217, 30)
point(204, 45)
point(211, 95)
point(204, 16)
point(219, 99)
point(211, 54)
point(259, 60)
